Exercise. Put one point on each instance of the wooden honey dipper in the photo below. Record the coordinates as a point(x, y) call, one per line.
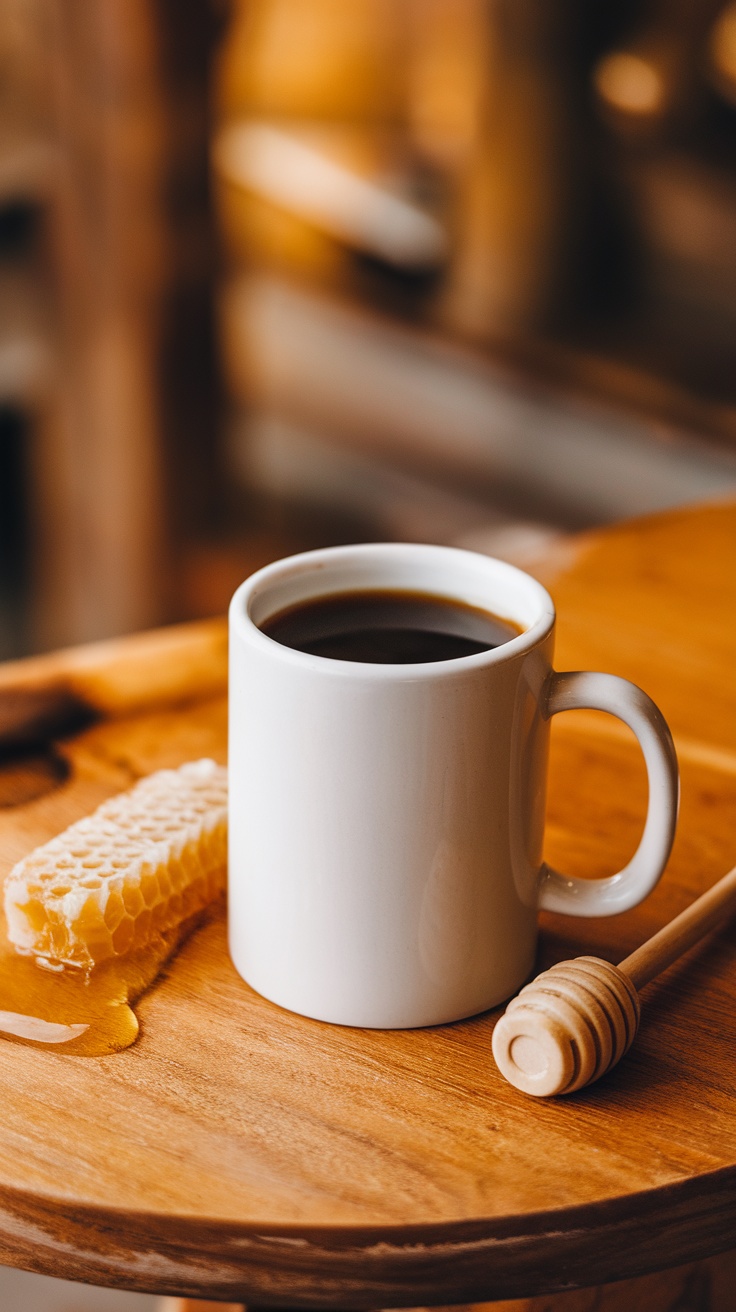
point(577, 1019)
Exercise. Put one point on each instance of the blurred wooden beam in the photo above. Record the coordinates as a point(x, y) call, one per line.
point(97, 467)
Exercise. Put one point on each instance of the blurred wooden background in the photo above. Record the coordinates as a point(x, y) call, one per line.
point(278, 273)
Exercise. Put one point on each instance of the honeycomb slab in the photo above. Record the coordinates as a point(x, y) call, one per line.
point(121, 879)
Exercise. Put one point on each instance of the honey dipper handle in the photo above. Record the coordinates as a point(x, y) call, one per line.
point(694, 923)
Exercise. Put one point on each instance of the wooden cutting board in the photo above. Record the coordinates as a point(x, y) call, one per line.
point(236, 1151)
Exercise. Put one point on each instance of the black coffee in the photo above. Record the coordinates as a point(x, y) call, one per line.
point(388, 628)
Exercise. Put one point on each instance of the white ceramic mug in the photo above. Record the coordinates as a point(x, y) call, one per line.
point(386, 821)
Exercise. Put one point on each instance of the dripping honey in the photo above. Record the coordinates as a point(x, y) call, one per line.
point(83, 1014)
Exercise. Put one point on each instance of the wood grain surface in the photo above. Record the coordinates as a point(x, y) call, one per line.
point(238, 1152)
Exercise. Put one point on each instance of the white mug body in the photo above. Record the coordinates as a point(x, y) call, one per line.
point(386, 821)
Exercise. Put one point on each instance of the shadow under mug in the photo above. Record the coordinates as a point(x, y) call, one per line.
point(386, 821)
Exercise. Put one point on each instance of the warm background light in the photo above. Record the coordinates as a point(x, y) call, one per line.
point(723, 51)
point(630, 84)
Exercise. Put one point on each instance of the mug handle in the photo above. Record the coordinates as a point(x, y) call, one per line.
point(606, 897)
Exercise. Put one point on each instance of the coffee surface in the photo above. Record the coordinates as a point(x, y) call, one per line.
point(388, 627)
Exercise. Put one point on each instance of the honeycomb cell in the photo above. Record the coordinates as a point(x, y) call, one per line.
point(149, 888)
point(115, 880)
point(143, 926)
point(133, 899)
point(124, 936)
point(114, 911)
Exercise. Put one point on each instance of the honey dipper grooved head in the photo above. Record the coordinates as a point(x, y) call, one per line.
point(567, 1028)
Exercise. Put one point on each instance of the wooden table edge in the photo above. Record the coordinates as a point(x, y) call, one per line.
point(374, 1266)
point(55, 694)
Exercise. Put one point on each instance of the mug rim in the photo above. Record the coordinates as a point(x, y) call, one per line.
point(308, 563)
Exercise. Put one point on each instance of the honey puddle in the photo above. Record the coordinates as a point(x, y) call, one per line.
point(72, 1012)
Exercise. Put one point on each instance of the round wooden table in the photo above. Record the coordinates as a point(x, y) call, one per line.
point(237, 1151)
